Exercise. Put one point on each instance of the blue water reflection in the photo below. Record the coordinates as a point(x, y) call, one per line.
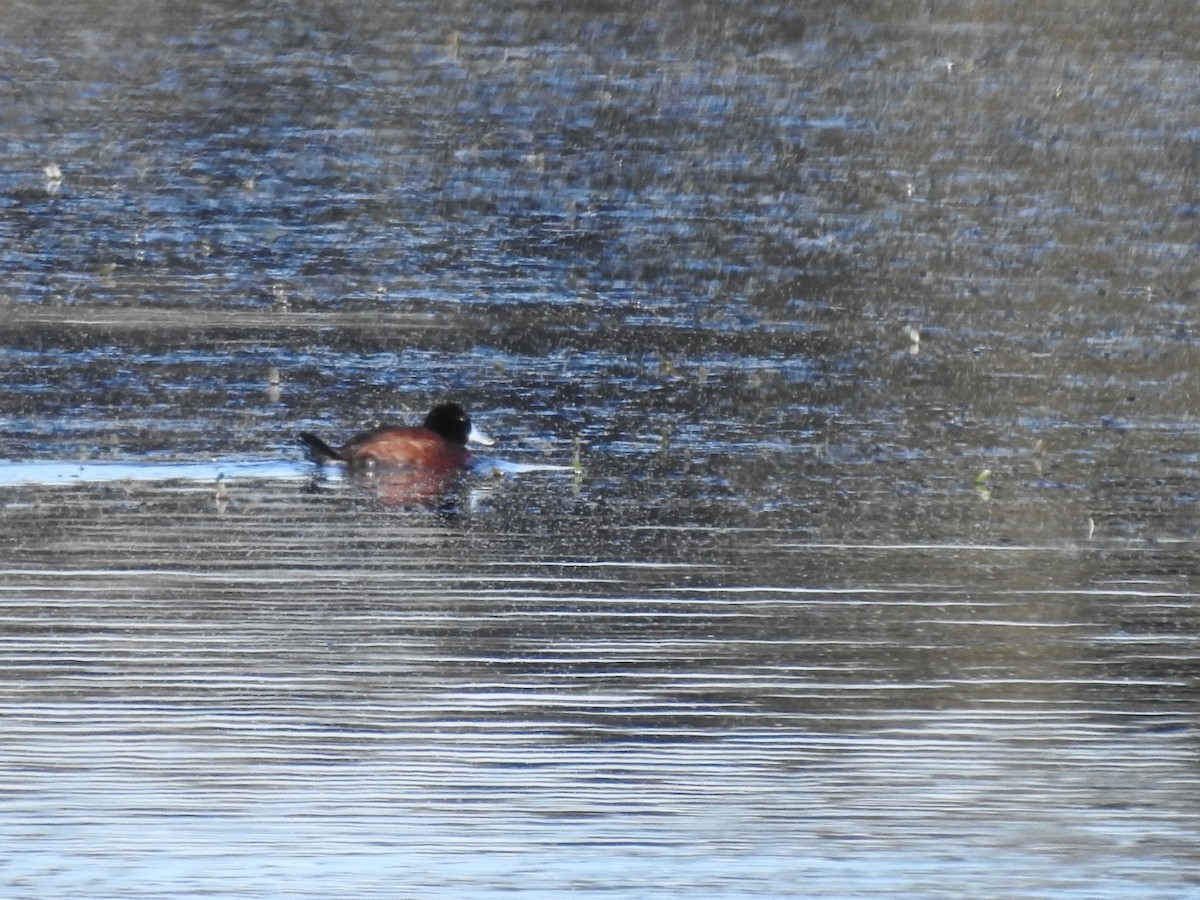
point(58, 473)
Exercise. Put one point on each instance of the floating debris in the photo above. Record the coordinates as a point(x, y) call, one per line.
point(221, 494)
point(913, 333)
point(54, 178)
point(274, 380)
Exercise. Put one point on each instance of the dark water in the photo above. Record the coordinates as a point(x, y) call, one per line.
point(873, 327)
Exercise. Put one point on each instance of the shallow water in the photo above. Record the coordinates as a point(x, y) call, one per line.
point(872, 332)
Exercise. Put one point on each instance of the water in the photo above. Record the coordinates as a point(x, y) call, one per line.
point(872, 332)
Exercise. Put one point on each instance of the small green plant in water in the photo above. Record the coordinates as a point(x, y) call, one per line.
point(983, 484)
point(577, 465)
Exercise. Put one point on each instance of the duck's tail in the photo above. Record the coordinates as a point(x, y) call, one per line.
point(318, 450)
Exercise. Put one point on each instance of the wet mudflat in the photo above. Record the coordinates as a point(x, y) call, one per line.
point(873, 332)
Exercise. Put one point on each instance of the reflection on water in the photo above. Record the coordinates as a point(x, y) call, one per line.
point(47, 472)
point(309, 686)
point(870, 332)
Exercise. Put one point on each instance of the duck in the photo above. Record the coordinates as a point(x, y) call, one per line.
point(437, 446)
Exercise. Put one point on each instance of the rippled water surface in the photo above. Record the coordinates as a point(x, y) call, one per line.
point(840, 539)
